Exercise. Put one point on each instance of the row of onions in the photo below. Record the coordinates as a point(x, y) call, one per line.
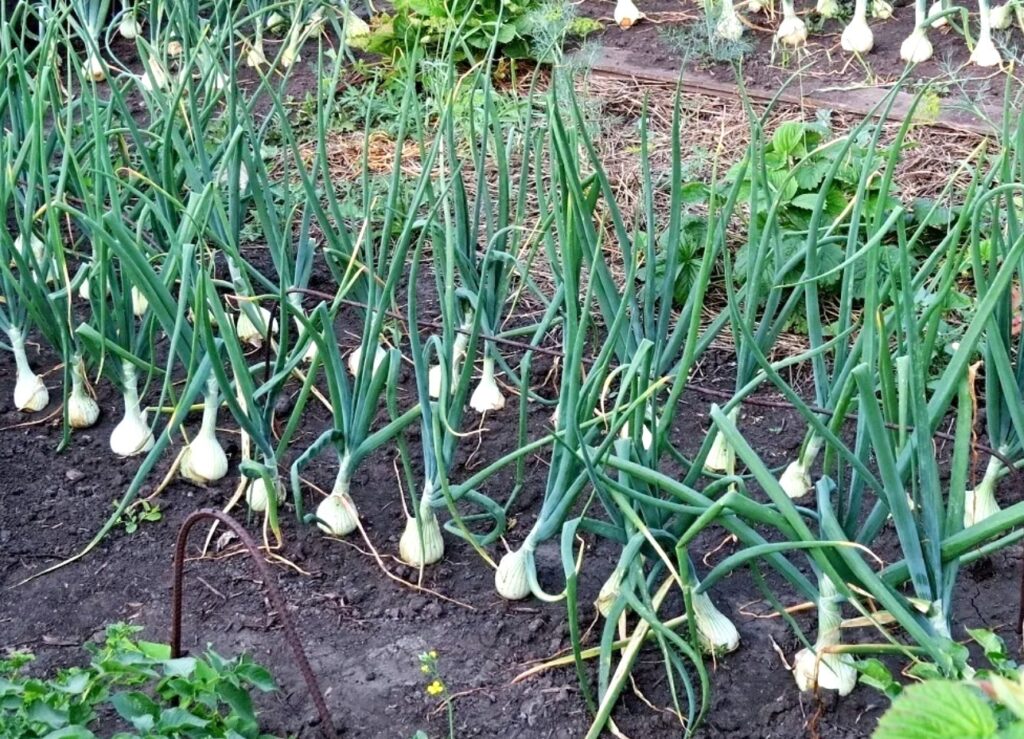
point(857, 37)
point(170, 253)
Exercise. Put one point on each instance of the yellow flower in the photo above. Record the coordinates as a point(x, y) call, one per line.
point(435, 688)
point(432, 654)
point(424, 669)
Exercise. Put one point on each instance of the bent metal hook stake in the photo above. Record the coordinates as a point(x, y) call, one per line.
point(290, 635)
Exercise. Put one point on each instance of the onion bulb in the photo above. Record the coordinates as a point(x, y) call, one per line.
point(646, 437)
point(980, 503)
point(792, 31)
point(357, 31)
point(337, 512)
point(247, 331)
point(755, 6)
point(827, 8)
point(609, 592)
point(82, 409)
point(37, 248)
point(729, 26)
point(94, 69)
point(716, 632)
point(881, 9)
point(154, 76)
point(857, 37)
point(204, 460)
point(510, 579)
point(937, 7)
point(722, 457)
point(487, 396)
point(626, 14)
point(275, 20)
point(819, 668)
point(796, 480)
point(255, 56)
point(132, 435)
point(416, 548)
point(356, 358)
point(174, 49)
point(256, 496)
point(985, 53)
point(140, 303)
point(30, 392)
point(999, 16)
point(129, 26)
point(916, 47)
point(458, 353)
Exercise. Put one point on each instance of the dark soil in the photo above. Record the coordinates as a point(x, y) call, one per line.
point(675, 34)
point(362, 631)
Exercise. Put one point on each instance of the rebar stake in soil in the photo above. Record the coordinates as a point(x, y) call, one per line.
point(290, 635)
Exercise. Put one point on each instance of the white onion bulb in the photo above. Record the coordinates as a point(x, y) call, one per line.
point(93, 68)
point(510, 579)
point(204, 460)
point(999, 16)
point(916, 47)
point(337, 512)
point(132, 435)
point(717, 633)
point(416, 549)
point(255, 57)
point(818, 668)
point(129, 27)
point(83, 411)
point(30, 393)
point(985, 53)
point(729, 26)
point(356, 358)
point(721, 456)
point(857, 37)
point(626, 14)
point(357, 31)
point(980, 503)
point(827, 8)
point(881, 9)
point(792, 31)
point(487, 396)
point(247, 331)
point(256, 496)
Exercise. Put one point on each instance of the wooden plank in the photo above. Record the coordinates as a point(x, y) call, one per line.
point(612, 62)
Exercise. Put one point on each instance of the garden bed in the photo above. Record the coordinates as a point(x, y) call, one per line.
point(361, 613)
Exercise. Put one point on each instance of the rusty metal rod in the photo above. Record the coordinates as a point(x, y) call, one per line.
point(272, 591)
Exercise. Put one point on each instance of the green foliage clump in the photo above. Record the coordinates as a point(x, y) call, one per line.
point(466, 29)
point(151, 694)
point(986, 704)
